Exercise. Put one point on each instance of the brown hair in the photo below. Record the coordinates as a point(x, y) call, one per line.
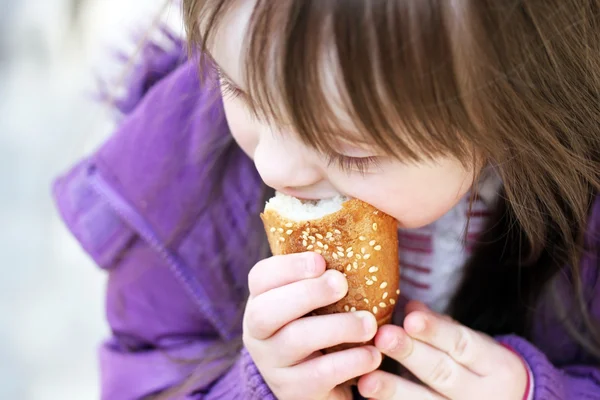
point(515, 82)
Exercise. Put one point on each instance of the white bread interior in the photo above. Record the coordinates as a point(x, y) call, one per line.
point(302, 210)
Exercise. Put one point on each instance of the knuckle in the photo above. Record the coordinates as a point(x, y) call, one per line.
point(258, 322)
point(327, 367)
point(443, 373)
point(255, 276)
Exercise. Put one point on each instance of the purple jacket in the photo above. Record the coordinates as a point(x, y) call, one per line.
point(139, 206)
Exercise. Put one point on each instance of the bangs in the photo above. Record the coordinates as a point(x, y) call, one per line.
point(386, 73)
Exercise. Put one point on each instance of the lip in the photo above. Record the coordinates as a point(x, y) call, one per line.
point(297, 195)
point(302, 196)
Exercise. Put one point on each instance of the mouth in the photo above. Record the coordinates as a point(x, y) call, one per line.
point(305, 199)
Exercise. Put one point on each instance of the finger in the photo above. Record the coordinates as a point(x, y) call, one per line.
point(279, 271)
point(467, 347)
point(301, 338)
point(382, 385)
point(330, 370)
point(431, 366)
point(269, 312)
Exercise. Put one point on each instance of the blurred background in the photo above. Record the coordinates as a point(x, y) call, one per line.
point(51, 297)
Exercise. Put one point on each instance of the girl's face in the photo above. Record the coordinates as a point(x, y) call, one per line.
point(416, 194)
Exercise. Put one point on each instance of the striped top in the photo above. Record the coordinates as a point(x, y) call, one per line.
point(432, 257)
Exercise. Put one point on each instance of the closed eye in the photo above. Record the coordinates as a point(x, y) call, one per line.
point(228, 88)
point(349, 164)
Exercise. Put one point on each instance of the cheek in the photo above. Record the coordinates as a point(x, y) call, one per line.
point(415, 196)
point(241, 124)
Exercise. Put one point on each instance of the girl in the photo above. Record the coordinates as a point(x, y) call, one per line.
point(474, 123)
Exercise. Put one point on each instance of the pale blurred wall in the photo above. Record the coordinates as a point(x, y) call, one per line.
point(51, 295)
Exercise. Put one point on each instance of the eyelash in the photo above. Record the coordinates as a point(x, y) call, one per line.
point(227, 88)
point(352, 164)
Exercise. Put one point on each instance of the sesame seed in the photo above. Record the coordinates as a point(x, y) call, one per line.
point(377, 248)
point(318, 251)
point(289, 232)
point(319, 244)
point(372, 243)
point(346, 308)
point(397, 291)
point(383, 285)
point(362, 238)
point(374, 278)
point(353, 309)
point(337, 231)
point(382, 305)
point(318, 235)
point(348, 267)
point(272, 229)
point(350, 254)
point(362, 250)
point(392, 301)
point(369, 282)
point(367, 256)
point(339, 253)
point(289, 225)
point(355, 265)
point(374, 226)
point(340, 248)
point(375, 212)
point(385, 295)
point(348, 249)
point(280, 230)
point(310, 247)
point(366, 300)
point(326, 247)
point(304, 243)
point(329, 234)
point(334, 255)
point(375, 310)
point(373, 269)
point(345, 274)
point(358, 257)
point(312, 238)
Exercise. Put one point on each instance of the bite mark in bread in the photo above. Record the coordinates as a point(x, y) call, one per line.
point(357, 240)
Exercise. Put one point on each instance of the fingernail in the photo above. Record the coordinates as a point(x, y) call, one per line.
point(393, 344)
point(336, 282)
point(373, 388)
point(368, 321)
point(375, 354)
point(418, 325)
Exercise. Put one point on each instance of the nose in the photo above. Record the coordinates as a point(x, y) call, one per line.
point(284, 163)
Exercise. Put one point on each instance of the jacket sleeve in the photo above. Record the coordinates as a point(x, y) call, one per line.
point(558, 378)
point(553, 383)
point(158, 333)
point(129, 205)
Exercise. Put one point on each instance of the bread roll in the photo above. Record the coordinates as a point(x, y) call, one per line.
point(353, 237)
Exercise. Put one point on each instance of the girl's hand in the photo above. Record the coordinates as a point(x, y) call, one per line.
point(452, 361)
point(285, 346)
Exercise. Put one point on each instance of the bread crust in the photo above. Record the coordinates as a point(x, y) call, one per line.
point(359, 241)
